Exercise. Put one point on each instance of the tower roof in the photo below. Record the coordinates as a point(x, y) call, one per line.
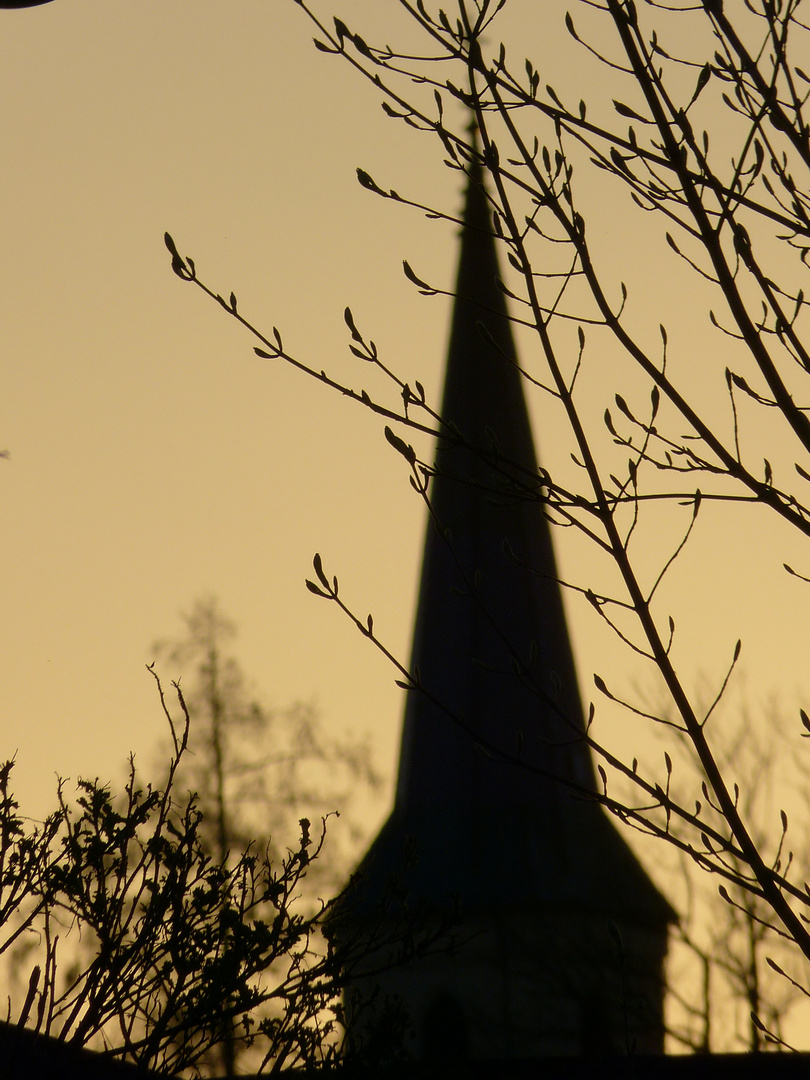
point(486, 830)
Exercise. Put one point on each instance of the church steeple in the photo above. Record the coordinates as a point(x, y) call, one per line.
point(538, 870)
point(489, 600)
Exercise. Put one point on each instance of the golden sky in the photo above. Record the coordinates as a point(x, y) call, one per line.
point(154, 458)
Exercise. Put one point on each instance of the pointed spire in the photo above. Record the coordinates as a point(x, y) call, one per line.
point(490, 602)
point(480, 610)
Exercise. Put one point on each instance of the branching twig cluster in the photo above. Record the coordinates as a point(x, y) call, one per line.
point(140, 944)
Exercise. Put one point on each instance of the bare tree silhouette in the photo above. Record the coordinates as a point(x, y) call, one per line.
point(702, 121)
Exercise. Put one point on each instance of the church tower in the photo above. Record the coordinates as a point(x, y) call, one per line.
point(562, 935)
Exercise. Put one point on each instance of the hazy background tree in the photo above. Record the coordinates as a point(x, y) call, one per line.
point(260, 774)
point(258, 770)
point(727, 990)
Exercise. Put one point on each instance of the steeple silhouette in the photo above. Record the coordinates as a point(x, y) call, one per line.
point(545, 885)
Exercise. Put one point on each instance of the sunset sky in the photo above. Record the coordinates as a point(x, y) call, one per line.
point(154, 459)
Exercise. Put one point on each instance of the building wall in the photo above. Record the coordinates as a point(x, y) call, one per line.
point(520, 984)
